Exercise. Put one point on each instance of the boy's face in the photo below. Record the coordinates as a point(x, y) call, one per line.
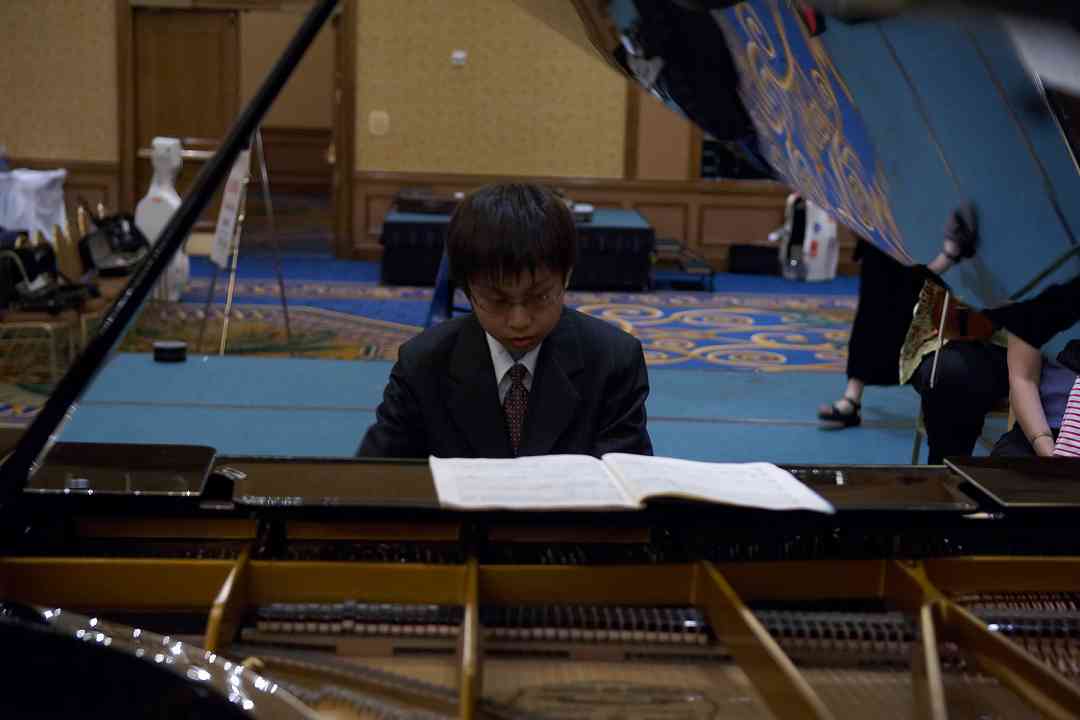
point(520, 310)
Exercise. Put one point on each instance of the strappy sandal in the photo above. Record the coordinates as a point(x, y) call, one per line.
point(834, 416)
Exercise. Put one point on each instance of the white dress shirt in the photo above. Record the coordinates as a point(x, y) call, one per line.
point(502, 360)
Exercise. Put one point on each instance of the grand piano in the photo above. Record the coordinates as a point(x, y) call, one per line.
point(161, 581)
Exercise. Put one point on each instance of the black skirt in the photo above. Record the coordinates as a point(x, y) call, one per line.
point(888, 292)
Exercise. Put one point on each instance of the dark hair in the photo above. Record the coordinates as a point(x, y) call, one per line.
point(503, 230)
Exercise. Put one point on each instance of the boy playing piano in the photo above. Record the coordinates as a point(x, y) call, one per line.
point(522, 374)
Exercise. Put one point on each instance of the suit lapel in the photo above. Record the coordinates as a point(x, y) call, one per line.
point(554, 398)
point(473, 397)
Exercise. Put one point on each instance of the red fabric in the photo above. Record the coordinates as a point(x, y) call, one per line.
point(810, 17)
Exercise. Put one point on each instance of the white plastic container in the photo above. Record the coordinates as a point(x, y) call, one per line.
point(820, 251)
point(156, 209)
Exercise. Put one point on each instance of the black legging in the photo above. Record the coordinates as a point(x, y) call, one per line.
point(888, 292)
point(1014, 443)
point(972, 378)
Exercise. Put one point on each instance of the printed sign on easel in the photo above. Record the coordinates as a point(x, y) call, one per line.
point(230, 210)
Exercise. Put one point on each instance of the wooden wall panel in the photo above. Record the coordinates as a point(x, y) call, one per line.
point(607, 204)
point(377, 205)
point(297, 159)
point(737, 224)
point(670, 220)
point(95, 185)
point(663, 140)
point(93, 181)
point(847, 238)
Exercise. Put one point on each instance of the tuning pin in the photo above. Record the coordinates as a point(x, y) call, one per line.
point(82, 221)
point(101, 211)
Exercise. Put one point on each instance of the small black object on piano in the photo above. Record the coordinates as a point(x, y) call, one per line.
point(170, 351)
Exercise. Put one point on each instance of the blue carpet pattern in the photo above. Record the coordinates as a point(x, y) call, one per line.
point(721, 370)
point(751, 324)
point(755, 324)
point(731, 332)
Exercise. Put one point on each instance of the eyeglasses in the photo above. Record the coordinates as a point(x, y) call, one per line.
point(530, 303)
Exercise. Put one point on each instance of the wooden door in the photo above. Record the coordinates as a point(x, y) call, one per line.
point(187, 85)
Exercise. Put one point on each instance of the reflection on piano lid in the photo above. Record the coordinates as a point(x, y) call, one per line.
point(9, 438)
point(62, 664)
point(1046, 483)
point(330, 482)
point(885, 487)
point(268, 482)
point(127, 469)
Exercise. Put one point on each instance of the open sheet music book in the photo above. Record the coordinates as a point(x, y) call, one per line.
point(618, 480)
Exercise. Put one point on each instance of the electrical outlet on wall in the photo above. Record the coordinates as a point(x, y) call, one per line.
point(458, 57)
point(378, 122)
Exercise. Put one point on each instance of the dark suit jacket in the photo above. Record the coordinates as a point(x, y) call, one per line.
point(587, 396)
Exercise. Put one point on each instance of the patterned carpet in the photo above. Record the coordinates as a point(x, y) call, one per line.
point(744, 331)
point(259, 329)
point(19, 404)
point(341, 320)
point(747, 332)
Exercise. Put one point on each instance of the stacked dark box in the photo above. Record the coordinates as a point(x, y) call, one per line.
point(614, 250)
point(412, 247)
point(754, 260)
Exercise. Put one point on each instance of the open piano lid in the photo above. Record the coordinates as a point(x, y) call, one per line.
point(889, 123)
point(16, 470)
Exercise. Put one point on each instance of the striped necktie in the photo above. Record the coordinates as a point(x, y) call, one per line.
point(517, 399)
point(1068, 442)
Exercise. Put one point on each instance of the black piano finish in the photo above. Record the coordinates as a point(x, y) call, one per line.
point(882, 511)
